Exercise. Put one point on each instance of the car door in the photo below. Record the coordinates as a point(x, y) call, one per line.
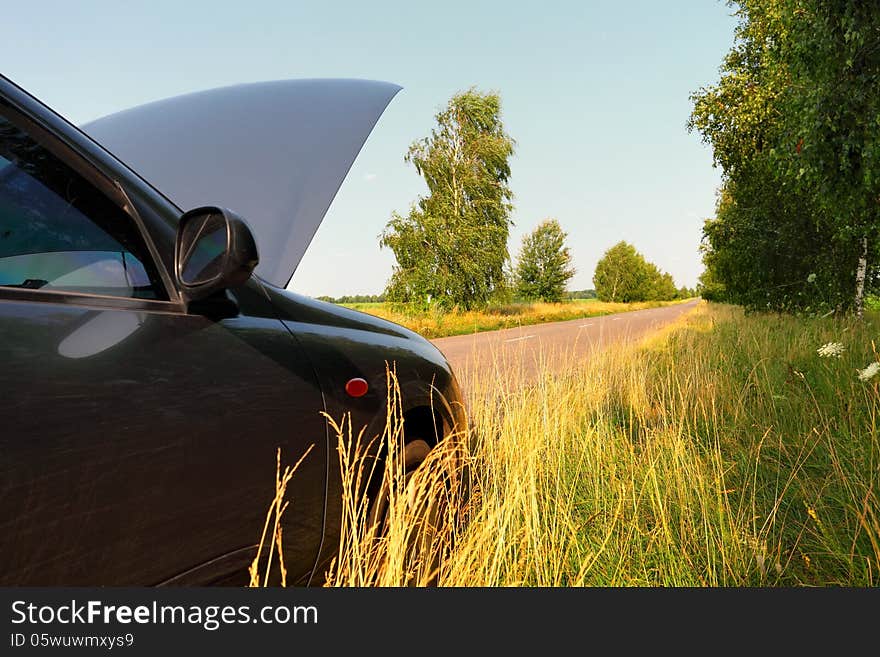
point(137, 441)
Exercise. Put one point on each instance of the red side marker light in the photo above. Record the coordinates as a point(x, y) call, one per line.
point(356, 387)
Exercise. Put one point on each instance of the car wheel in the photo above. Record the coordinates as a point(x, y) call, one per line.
point(422, 557)
point(414, 454)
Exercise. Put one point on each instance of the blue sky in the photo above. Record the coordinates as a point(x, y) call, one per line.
point(594, 92)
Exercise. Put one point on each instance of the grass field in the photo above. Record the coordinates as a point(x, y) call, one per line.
point(723, 452)
point(437, 324)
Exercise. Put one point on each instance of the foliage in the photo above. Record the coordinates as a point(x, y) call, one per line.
point(452, 246)
point(544, 265)
point(663, 287)
point(581, 294)
point(709, 287)
point(623, 275)
point(794, 126)
point(726, 452)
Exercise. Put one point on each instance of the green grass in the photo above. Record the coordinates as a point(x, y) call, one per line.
point(436, 324)
point(723, 451)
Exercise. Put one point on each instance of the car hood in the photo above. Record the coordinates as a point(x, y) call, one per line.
point(273, 152)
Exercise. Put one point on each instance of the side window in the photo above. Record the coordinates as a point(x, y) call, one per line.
point(59, 233)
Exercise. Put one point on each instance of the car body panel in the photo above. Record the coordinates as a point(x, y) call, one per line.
point(273, 152)
point(344, 344)
point(127, 430)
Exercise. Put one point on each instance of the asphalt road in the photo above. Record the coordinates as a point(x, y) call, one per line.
point(529, 350)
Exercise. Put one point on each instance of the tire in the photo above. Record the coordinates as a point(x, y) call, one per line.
point(420, 546)
point(414, 454)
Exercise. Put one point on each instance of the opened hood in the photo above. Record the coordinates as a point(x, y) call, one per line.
point(273, 152)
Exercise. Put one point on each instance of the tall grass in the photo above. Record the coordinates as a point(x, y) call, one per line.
point(411, 542)
point(724, 452)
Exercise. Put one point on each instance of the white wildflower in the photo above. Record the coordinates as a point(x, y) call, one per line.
point(831, 350)
point(869, 372)
point(811, 278)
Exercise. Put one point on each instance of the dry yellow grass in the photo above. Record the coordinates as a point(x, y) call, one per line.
point(437, 324)
point(723, 452)
point(259, 572)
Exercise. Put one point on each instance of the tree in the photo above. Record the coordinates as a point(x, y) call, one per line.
point(581, 294)
point(834, 58)
point(664, 287)
point(790, 123)
point(544, 265)
point(709, 288)
point(620, 274)
point(452, 246)
point(623, 275)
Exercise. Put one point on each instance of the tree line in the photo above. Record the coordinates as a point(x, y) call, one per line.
point(451, 247)
point(794, 124)
point(625, 275)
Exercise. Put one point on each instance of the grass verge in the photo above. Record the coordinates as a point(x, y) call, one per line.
point(724, 452)
point(437, 324)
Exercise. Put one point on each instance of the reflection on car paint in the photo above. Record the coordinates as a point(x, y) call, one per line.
point(106, 329)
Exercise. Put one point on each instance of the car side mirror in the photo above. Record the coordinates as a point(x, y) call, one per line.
point(215, 250)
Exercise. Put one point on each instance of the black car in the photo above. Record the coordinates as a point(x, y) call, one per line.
point(148, 376)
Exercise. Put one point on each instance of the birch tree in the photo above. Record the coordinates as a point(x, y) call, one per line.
point(452, 245)
point(544, 266)
point(794, 123)
point(624, 275)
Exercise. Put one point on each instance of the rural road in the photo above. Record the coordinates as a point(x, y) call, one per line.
point(529, 350)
